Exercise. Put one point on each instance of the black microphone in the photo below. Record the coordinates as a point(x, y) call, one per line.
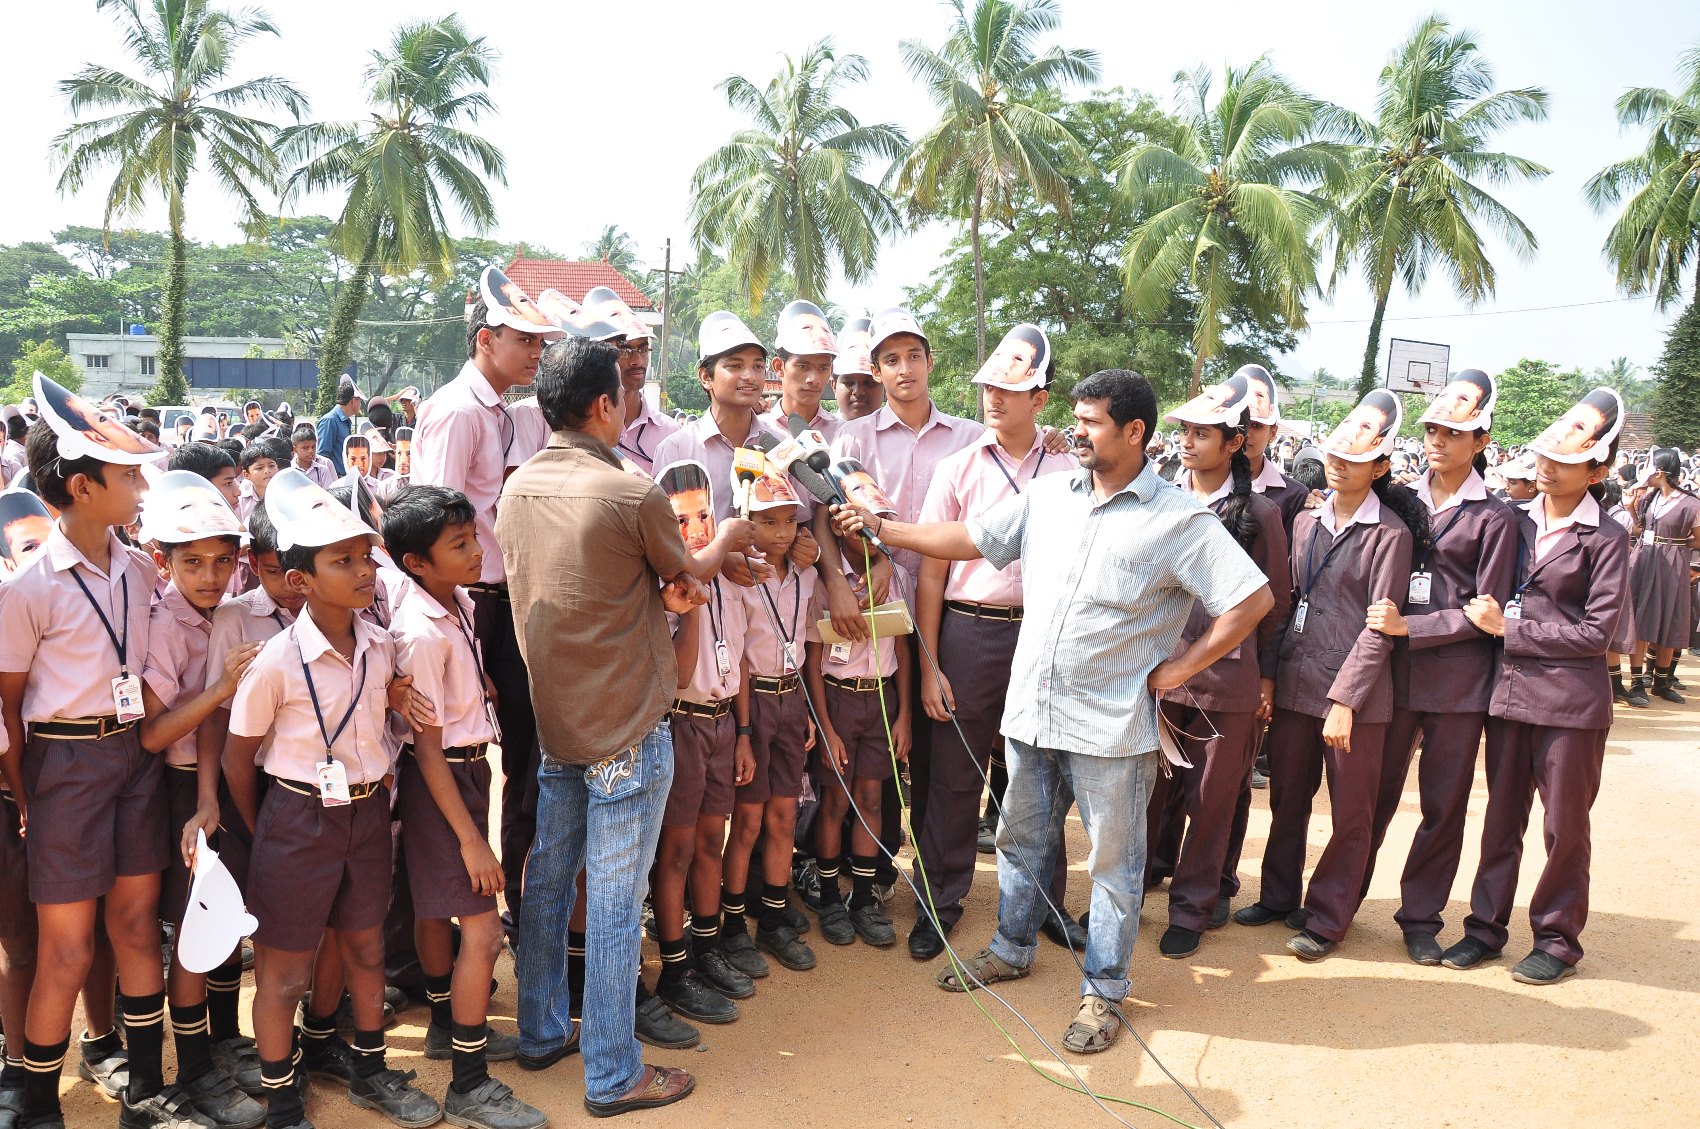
point(821, 488)
point(819, 458)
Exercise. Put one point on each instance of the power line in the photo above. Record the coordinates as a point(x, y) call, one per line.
point(1481, 313)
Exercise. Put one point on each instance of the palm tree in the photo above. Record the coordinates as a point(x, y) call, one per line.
point(399, 166)
point(614, 247)
point(1658, 232)
point(165, 123)
point(1225, 218)
point(1416, 199)
point(992, 138)
point(786, 193)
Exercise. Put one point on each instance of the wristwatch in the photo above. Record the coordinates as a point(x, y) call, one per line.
point(746, 730)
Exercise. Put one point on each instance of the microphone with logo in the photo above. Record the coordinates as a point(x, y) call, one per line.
point(805, 457)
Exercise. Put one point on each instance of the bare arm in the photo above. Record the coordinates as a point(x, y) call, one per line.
point(240, 774)
point(481, 865)
point(945, 540)
point(11, 706)
point(685, 646)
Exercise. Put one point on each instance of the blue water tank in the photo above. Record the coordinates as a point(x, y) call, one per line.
point(138, 330)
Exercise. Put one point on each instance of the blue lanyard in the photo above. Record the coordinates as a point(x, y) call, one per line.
point(796, 609)
point(637, 443)
point(1422, 565)
point(1311, 573)
point(359, 688)
point(119, 642)
point(1525, 565)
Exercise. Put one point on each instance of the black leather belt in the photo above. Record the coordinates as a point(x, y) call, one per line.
point(355, 791)
point(710, 710)
point(784, 684)
point(500, 591)
point(459, 754)
point(81, 728)
point(985, 611)
point(858, 685)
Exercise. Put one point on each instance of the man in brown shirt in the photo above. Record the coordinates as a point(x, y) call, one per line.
point(594, 559)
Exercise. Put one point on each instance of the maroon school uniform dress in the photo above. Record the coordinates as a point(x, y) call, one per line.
point(1547, 723)
point(1659, 576)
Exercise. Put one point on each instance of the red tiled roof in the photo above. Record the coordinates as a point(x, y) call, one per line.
point(575, 280)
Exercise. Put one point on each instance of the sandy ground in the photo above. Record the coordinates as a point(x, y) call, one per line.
point(1363, 1039)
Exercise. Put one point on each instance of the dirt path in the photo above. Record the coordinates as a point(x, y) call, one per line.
point(1363, 1039)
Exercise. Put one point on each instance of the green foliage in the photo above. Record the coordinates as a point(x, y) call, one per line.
point(46, 358)
point(1676, 421)
point(616, 248)
point(1531, 395)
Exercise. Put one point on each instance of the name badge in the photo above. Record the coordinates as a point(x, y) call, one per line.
point(127, 698)
point(1300, 614)
point(840, 654)
point(1421, 584)
point(722, 657)
point(333, 784)
point(1648, 537)
point(1514, 608)
point(790, 658)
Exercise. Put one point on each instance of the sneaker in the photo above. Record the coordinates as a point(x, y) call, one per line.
point(491, 1105)
point(986, 842)
point(718, 972)
point(835, 924)
point(785, 947)
point(659, 1027)
point(330, 1061)
point(392, 1094)
point(873, 926)
point(740, 953)
point(168, 1109)
point(1541, 967)
point(217, 1097)
point(646, 917)
point(111, 1074)
point(692, 998)
point(499, 1046)
point(884, 890)
point(239, 1058)
point(805, 877)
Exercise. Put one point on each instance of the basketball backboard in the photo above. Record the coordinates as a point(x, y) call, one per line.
point(1417, 366)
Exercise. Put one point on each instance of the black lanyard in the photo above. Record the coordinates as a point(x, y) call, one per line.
point(359, 688)
point(1311, 573)
point(120, 643)
point(637, 443)
point(277, 618)
point(1422, 565)
point(796, 609)
point(714, 619)
point(1525, 564)
point(506, 429)
point(998, 459)
point(477, 665)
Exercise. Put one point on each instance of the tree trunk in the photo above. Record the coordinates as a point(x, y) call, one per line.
point(169, 385)
point(338, 349)
point(1197, 384)
point(1371, 377)
point(979, 288)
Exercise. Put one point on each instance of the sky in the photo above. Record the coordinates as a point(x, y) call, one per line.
point(646, 75)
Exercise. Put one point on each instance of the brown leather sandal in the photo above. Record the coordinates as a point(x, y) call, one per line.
point(984, 967)
point(662, 1085)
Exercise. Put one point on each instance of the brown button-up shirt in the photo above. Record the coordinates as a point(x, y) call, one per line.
point(586, 545)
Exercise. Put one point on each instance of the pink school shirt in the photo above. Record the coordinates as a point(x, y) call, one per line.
point(642, 437)
point(793, 597)
point(860, 662)
point(274, 699)
point(969, 483)
point(176, 670)
point(462, 441)
point(702, 442)
point(722, 618)
point(531, 430)
point(436, 646)
point(776, 420)
point(50, 630)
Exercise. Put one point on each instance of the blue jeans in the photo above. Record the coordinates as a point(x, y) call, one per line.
point(1113, 793)
point(606, 819)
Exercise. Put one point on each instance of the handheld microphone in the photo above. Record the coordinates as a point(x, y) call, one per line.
point(747, 466)
point(819, 457)
point(793, 457)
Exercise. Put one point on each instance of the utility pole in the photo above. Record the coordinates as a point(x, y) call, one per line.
point(666, 315)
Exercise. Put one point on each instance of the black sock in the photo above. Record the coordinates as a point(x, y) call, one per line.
point(1636, 671)
point(470, 1069)
point(104, 1047)
point(191, 1032)
point(773, 903)
point(575, 973)
point(144, 1031)
point(316, 1030)
point(829, 881)
point(437, 990)
point(675, 962)
point(12, 1074)
point(283, 1098)
point(42, 1064)
point(224, 991)
point(862, 881)
point(705, 933)
point(368, 1053)
point(732, 911)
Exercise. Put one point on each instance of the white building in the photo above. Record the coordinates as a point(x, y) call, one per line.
point(129, 362)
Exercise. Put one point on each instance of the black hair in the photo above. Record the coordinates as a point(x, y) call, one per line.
point(367, 502)
point(573, 374)
point(148, 428)
point(1407, 507)
point(345, 394)
point(150, 413)
point(1310, 473)
point(1480, 464)
point(234, 543)
point(262, 534)
point(300, 558)
point(52, 473)
point(476, 319)
point(381, 415)
point(234, 447)
point(202, 458)
point(680, 477)
point(1235, 511)
point(252, 431)
point(417, 516)
point(1128, 396)
point(1667, 462)
point(302, 431)
point(270, 447)
point(17, 427)
point(1597, 490)
point(1611, 493)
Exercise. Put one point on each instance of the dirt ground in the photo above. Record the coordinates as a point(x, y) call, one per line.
point(1363, 1039)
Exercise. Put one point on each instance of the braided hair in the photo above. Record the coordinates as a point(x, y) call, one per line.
point(1409, 508)
point(1236, 508)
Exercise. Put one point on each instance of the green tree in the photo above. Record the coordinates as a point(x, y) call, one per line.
point(1415, 199)
point(1657, 233)
point(1531, 395)
point(46, 358)
point(398, 167)
point(1676, 414)
point(164, 124)
point(995, 140)
point(787, 192)
point(1225, 218)
point(616, 248)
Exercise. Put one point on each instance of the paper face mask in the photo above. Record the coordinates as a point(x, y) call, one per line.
point(687, 487)
point(1020, 360)
point(1465, 404)
point(1585, 432)
point(1369, 432)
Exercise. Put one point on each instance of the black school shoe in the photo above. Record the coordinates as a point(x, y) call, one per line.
point(835, 924)
point(740, 953)
point(1541, 967)
point(1422, 948)
point(1258, 914)
point(1466, 954)
point(719, 974)
point(692, 998)
point(873, 926)
point(783, 945)
point(1064, 931)
point(391, 1092)
point(1219, 915)
point(168, 1109)
point(111, 1074)
point(925, 942)
point(659, 1027)
point(1179, 942)
point(216, 1097)
point(1308, 946)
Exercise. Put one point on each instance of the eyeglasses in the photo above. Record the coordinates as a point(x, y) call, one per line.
point(635, 348)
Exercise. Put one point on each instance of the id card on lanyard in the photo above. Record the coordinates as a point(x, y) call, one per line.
point(126, 688)
point(1422, 584)
point(1313, 571)
point(788, 647)
point(1526, 565)
point(716, 620)
point(333, 777)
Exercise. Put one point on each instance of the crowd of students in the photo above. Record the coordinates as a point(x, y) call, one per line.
point(293, 639)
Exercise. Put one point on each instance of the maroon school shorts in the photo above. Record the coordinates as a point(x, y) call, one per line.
point(97, 813)
point(314, 867)
point(856, 716)
point(780, 727)
point(17, 914)
point(703, 753)
point(436, 876)
point(182, 797)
